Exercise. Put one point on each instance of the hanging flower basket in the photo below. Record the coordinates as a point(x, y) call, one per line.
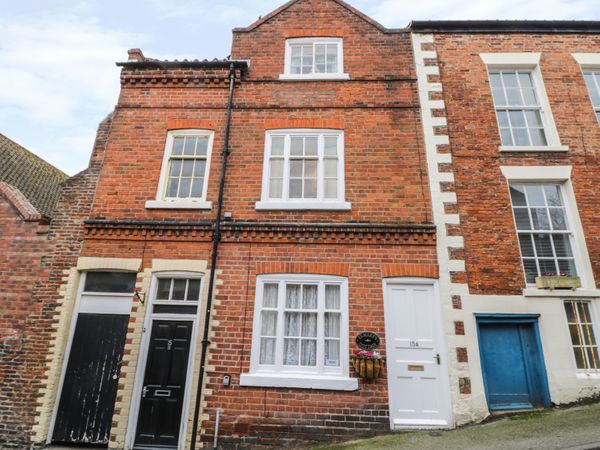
point(550, 280)
point(368, 365)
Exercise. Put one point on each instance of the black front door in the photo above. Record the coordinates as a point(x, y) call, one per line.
point(161, 402)
point(90, 386)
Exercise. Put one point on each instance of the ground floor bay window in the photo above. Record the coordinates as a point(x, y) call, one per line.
point(300, 333)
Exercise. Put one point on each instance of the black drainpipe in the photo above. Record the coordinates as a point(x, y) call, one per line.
point(214, 256)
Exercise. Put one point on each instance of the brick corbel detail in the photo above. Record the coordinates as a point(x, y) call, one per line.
point(180, 124)
point(303, 123)
point(323, 32)
point(409, 270)
point(339, 269)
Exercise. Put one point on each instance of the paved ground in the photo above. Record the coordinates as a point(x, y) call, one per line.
point(576, 428)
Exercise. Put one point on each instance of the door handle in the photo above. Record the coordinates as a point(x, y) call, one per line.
point(144, 391)
point(437, 359)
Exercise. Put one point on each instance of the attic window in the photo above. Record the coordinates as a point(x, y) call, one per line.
point(314, 59)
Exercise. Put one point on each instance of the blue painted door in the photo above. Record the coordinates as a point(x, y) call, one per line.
point(512, 365)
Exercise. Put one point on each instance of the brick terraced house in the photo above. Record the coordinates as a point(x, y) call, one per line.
point(247, 223)
point(512, 135)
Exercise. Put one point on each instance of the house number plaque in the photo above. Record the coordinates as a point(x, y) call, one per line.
point(367, 340)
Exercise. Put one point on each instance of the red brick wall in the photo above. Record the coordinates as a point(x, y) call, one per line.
point(22, 244)
point(31, 271)
point(483, 198)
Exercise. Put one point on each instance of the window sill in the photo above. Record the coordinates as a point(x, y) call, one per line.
point(533, 148)
point(162, 204)
point(336, 383)
point(314, 205)
point(315, 77)
point(533, 292)
point(591, 375)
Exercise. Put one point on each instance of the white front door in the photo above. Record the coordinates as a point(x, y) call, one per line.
point(417, 374)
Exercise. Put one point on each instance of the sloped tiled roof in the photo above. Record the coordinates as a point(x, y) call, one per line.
point(36, 179)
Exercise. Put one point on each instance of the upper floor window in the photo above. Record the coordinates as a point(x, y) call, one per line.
point(303, 169)
point(184, 175)
point(524, 117)
point(592, 79)
point(544, 231)
point(518, 108)
point(314, 58)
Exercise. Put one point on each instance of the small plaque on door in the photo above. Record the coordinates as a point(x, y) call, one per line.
point(416, 368)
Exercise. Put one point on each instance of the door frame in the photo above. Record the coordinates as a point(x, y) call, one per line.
point(441, 342)
point(67, 353)
point(513, 319)
point(140, 370)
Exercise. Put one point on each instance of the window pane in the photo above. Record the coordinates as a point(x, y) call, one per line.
point(534, 119)
point(292, 300)
point(517, 195)
point(297, 143)
point(189, 147)
point(567, 266)
point(269, 323)
point(540, 218)
point(178, 289)
point(330, 145)
point(193, 290)
point(562, 245)
point(277, 143)
point(188, 168)
point(311, 145)
point(547, 267)
point(593, 90)
point(309, 297)
point(538, 136)
point(332, 353)
point(309, 352)
point(175, 169)
point(543, 245)
point(332, 324)
point(290, 352)
point(276, 168)
point(514, 96)
point(270, 295)
point(552, 195)
point(296, 166)
point(267, 351)
point(559, 220)
point(517, 118)
point(520, 136)
point(331, 189)
point(310, 188)
point(117, 282)
point(177, 146)
point(310, 168)
point(292, 324)
point(580, 357)
point(332, 296)
point(276, 188)
point(529, 96)
point(172, 187)
point(164, 288)
point(506, 136)
point(499, 96)
point(495, 80)
point(202, 146)
point(199, 168)
point(503, 119)
point(184, 188)
point(535, 196)
point(320, 59)
point(526, 245)
point(295, 189)
point(197, 187)
point(522, 219)
point(332, 58)
point(570, 311)
point(531, 270)
point(309, 325)
point(330, 168)
point(593, 361)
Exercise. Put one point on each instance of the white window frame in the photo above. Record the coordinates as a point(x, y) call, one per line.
point(320, 377)
point(561, 175)
point(161, 202)
point(527, 62)
point(339, 75)
point(593, 326)
point(319, 203)
point(589, 62)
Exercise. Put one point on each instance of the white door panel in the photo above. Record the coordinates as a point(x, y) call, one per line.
point(417, 380)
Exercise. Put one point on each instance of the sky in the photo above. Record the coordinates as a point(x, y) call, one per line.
point(58, 77)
